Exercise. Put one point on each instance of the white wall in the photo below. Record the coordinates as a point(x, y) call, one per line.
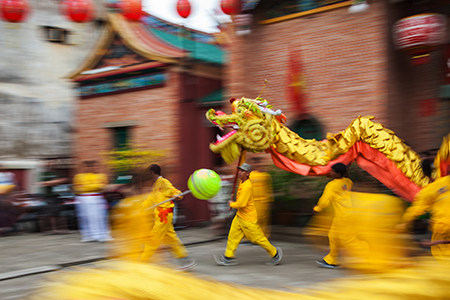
point(37, 104)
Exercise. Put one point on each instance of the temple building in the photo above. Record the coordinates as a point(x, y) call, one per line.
point(148, 85)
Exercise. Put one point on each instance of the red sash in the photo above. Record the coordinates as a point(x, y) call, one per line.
point(163, 213)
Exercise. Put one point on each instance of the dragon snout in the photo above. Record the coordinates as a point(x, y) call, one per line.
point(220, 113)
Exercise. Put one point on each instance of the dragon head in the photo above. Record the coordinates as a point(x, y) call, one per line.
point(251, 125)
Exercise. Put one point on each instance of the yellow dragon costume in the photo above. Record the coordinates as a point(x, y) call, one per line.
point(257, 128)
point(376, 149)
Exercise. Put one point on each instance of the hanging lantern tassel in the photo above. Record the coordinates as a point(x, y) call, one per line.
point(184, 8)
point(420, 59)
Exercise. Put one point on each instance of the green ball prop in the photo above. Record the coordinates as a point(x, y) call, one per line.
point(204, 184)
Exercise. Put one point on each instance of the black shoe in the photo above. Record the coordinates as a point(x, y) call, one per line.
point(276, 259)
point(221, 260)
point(323, 264)
point(186, 264)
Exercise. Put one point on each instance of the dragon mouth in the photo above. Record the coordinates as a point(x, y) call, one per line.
point(222, 125)
point(223, 122)
point(221, 139)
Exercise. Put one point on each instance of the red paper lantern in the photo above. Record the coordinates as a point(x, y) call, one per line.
point(419, 35)
point(184, 8)
point(230, 7)
point(131, 9)
point(77, 10)
point(14, 10)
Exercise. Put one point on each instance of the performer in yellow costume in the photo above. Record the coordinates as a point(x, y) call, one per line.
point(131, 225)
point(341, 235)
point(163, 230)
point(263, 197)
point(245, 223)
point(92, 207)
point(434, 198)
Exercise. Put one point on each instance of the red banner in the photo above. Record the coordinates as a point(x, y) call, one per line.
point(296, 82)
point(427, 107)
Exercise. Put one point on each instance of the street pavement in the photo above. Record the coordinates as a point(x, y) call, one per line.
point(27, 261)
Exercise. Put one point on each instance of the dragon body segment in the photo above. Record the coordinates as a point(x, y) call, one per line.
point(376, 149)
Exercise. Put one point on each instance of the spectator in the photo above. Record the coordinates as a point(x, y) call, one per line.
point(7, 181)
point(52, 211)
point(92, 208)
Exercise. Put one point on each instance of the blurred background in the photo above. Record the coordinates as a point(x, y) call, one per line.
point(128, 82)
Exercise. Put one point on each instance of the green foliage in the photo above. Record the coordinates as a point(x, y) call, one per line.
point(300, 193)
point(294, 191)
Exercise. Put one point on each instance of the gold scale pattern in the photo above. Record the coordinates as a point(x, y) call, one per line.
point(259, 131)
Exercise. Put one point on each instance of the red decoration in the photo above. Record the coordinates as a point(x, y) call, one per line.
point(230, 7)
point(14, 10)
point(77, 10)
point(296, 83)
point(427, 107)
point(131, 9)
point(418, 35)
point(184, 8)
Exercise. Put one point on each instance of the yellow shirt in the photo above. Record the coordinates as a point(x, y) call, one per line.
point(338, 193)
point(162, 190)
point(245, 203)
point(262, 186)
point(434, 198)
point(89, 183)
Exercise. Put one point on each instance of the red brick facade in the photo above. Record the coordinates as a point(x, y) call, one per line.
point(351, 69)
point(155, 113)
point(344, 59)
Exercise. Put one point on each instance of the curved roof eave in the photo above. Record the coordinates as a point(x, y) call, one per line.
point(97, 53)
point(136, 39)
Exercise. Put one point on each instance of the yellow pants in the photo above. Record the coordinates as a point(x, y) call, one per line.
point(263, 212)
point(163, 233)
point(252, 232)
point(441, 251)
point(341, 238)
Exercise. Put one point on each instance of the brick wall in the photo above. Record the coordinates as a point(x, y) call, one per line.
point(411, 86)
point(351, 69)
point(155, 111)
point(344, 59)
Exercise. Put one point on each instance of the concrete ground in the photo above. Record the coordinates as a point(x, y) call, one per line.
point(27, 260)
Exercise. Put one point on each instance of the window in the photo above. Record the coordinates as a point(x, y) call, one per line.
point(55, 34)
point(308, 129)
point(121, 137)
